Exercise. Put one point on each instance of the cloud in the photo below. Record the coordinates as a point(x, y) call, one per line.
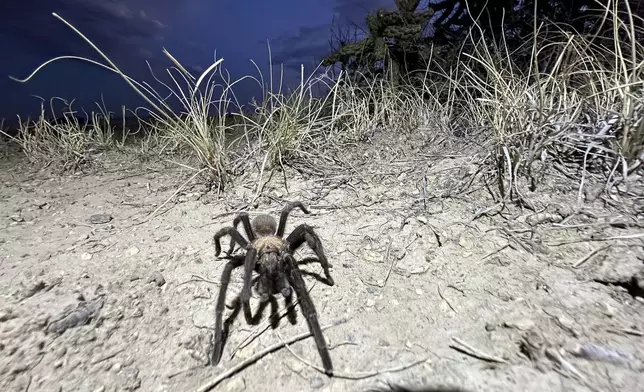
point(311, 43)
point(307, 47)
point(117, 27)
point(355, 11)
point(127, 31)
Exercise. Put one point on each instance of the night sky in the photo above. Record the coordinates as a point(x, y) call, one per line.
point(133, 31)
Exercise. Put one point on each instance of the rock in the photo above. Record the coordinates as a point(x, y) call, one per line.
point(157, 278)
point(133, 381)
point(521, 324)
point(317, 382)
point(39, 204)
point(370, 302)
point(164, 238)
point(236, 384)
point(99, 219)
point(131, 251)
point(60, 352)
point(421, 219)
point(383, 343)
point(543, 217)
point(138, 313)
point(372, 256)
point(17, 218)
point(34, 288)
point(77, 317)
point(465, 242)
point(490, 327)
point(86, 256)
point(592, 193)
point(6, 315)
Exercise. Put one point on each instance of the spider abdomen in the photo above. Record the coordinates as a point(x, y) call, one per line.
point(264, 225)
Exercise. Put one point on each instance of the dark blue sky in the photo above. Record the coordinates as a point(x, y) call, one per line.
point(132, 31)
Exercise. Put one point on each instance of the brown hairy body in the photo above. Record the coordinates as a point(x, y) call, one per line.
point(269, 244)
point(271, 257)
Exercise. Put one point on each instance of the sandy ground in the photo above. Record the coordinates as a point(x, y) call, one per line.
point(416, 277)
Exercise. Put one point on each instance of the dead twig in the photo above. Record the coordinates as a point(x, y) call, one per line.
point(197, 278)
point(391, 266)
point(589, 256)
point(108, 356)
point(469, 350)
point(597, 239)
point(174, 194)
point(627, 331)
point(242, 365)
point(445, 299)
point(495, 251)
point(353, 376)
point(487, 211)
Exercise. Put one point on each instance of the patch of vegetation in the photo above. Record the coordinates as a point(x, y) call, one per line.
point(540, 85)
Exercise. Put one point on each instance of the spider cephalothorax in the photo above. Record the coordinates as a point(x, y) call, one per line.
point(271, 256)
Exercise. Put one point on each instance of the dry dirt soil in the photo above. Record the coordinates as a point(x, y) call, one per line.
point(106, 288)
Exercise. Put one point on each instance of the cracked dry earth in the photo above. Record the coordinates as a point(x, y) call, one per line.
point(97, 298)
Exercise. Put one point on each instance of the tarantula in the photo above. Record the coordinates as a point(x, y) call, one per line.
point(271, 256)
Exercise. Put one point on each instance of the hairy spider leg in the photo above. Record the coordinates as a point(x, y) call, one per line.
point(244, 219)
point(305, 233)
point(249, 266)
point(308, 310)
point(220, 334)
point(284, 215)
point(288, 303)
point(233, 233)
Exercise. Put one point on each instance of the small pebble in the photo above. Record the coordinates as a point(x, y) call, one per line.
point(133, 250)
point(6, 315)
point(521, 324)
point(383, 343)
point(317, 382)
point(17, 218)
point(157, 278)
point(236, 384)
point(99, 219)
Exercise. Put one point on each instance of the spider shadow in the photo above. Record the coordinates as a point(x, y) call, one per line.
point(291, 314)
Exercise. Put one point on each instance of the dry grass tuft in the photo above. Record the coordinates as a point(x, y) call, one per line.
point(562, 100)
